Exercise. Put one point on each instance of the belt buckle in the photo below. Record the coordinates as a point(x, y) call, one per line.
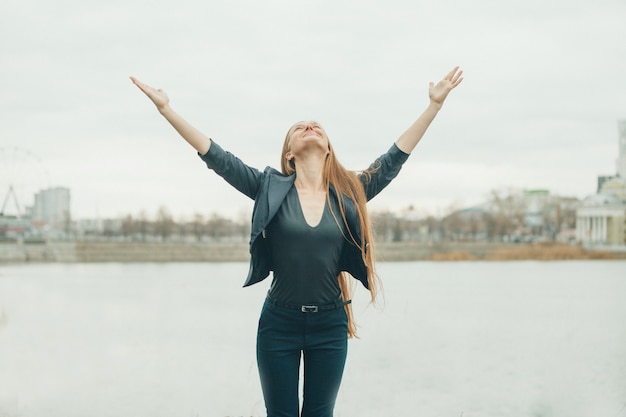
point(309, 309)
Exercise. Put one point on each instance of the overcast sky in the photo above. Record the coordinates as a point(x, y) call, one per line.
point(545, 84)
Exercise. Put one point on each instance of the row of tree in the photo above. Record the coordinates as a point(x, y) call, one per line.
point(506, 216)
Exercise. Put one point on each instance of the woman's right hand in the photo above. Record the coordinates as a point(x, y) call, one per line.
point(193, 136)
point(158, 96)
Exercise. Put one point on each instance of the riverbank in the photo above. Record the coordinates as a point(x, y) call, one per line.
point(238, 252)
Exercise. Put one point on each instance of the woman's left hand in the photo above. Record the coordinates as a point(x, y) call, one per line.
point(158, 96)
point(439, 92)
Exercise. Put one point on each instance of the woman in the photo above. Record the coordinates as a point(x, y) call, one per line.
point(311, 229)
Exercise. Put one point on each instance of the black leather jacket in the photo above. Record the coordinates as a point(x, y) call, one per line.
point(269, 188)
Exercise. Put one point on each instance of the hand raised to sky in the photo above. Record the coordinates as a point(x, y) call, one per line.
point(158, 96)
point(439, 92)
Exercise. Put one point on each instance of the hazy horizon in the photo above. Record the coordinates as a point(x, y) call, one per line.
point(538, 108)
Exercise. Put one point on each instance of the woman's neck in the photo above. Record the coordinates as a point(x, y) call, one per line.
point(310, 175)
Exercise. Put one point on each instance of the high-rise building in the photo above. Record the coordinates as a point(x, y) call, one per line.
point(621, 161)
point(52, 207)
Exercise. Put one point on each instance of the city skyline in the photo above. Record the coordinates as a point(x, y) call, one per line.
point(11, 193)
point(537, 109)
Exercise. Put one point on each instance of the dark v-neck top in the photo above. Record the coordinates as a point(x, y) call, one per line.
point(305, 258)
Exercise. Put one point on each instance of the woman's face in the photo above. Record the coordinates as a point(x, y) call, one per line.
point(307, 137)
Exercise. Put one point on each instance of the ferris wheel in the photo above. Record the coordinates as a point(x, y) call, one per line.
point(22, 175)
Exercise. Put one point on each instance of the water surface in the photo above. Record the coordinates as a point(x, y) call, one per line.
point(497, 339)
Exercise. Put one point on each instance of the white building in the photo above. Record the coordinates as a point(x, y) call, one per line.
point(601, 220)
point(52, 208)
point(621, 161)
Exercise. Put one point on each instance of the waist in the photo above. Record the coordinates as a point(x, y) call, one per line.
point(309, 308)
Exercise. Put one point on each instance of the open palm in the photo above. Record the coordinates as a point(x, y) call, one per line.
point(158, 96)
point(438, 92)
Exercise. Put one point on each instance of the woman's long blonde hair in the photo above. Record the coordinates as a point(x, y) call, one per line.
point(346, 184)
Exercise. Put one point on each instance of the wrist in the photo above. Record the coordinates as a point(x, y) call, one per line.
point(164, 109)
point(434, 105)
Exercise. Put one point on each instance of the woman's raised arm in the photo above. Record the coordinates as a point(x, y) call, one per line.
point(437, 94)
point(193, 136)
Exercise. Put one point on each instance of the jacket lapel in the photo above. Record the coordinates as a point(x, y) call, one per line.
point(279, 186)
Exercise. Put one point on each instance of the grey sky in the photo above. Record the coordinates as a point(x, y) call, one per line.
point(544, 87)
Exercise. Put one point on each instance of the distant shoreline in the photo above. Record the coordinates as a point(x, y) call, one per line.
point(88, 251)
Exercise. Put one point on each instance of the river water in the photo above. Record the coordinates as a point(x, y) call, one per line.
point(492, 339)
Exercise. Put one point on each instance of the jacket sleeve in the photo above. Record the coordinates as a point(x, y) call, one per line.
point(241, 176)
point(384, 169)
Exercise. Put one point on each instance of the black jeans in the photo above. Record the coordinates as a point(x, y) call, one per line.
point(321, 338)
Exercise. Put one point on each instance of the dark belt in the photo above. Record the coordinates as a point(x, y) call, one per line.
point(309, 308)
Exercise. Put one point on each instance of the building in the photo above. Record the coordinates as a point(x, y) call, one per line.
point(621, 161)
point(52, 208)
point(601, 220)
point(537, 203)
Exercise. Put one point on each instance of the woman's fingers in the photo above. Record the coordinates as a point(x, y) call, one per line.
point(454, 76)
point(137, 82)
point(451, 73)
point(143, 87)
point(158, 97)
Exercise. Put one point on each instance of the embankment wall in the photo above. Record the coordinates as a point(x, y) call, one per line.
point(238, 252)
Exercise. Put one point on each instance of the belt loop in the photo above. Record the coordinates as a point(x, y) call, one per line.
point(341, 303)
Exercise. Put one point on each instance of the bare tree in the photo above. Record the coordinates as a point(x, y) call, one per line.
point(217, 226)
point(164, 224)
point(198, 226)
point(129, 226)
point(143, 225)
point(507, 209)
point(383, 223)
